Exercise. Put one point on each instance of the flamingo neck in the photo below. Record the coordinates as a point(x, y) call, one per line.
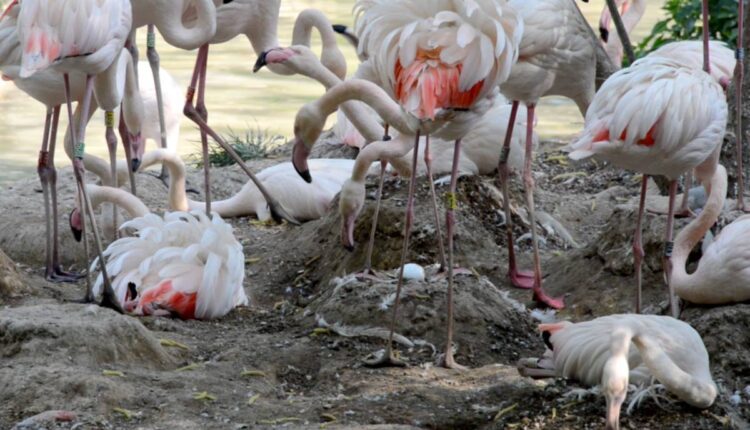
point(689, 236)
point(123, 199)
point(190, 29)
point(177, 195)
point(307, 19)
point(632, 13)
point(132, 103)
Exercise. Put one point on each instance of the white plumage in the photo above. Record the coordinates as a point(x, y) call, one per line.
point(689, 53)
point(600, 352)
point(190, 265)
point(655, 117)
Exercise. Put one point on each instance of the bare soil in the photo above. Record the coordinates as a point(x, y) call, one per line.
point(293, 359)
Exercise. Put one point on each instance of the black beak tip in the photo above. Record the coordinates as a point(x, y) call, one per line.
point(304, 174)
point(135, 164)
point(604, 34)
point(261, 62)
point(546, 337)
point(349, 247)
point(339, 28)
point(77, 234)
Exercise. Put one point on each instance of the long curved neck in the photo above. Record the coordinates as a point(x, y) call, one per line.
point(245, 202)
point(630, 19)
point(360, 117)
point(263, 28)
point(121, 198)
point(306, 20)
point(172, 26)
point(693, 232)
point(177, 195)
point(353, 89)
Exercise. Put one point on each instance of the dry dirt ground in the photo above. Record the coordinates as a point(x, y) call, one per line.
point(293, 359)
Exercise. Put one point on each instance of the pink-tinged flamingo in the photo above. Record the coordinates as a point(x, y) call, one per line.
point(600, 353)
point(556, 57)
point(657, 118)
point(182, 264)
point(422, 61)
point(258, 20)
point(631, 12)
point(723, 272)
point(83, 36)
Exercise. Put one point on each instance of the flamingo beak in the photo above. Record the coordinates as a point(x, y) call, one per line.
point(261, 62)
point(76, 227)
point(347, 231)
point(300, 153)
point(613, 415)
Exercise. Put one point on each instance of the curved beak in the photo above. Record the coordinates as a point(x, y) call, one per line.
point(300, 153)
point(135, 164)
point(261, 62)
point(74, 220)
point(347, 231)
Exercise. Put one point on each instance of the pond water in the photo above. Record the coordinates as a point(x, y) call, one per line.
point(238, 99)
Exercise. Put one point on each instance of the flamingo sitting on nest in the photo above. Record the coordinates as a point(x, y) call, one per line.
point(183, 264)
point(599, 352)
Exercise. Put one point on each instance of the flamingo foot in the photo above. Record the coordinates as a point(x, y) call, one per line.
point(541, 297)
point(383, 358)
point(523, 279)
point(57, 275)
point(369, 275)
point(111, 303)
point(447, 361)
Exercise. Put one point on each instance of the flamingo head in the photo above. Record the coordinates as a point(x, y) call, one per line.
point(137, 148)
point(605, 20)
point(615, 377)
point(351, 201)
point(276, 60)
point(131, 298)
point(307, 128)
point(76, 224)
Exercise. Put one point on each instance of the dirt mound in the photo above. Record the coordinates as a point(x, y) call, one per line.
point(489, 327)
point(11, 284)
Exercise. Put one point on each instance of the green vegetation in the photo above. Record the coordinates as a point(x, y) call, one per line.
point(253, 145)
point(683, 22)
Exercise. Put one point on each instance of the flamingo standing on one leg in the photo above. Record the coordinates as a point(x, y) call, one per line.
point(682, 129)
point(723, 272)
point(556, 57)
point(422, 54)
point(75, 36)
point(599, 352)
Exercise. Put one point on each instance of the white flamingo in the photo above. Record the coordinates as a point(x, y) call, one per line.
point(182, 264)
point(631, 12)
point(84, 36)
point(600, 353)
point(723, 272)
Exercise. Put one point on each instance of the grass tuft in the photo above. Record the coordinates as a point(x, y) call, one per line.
point(254, 144)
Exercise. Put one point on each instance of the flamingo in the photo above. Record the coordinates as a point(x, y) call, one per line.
point(599, 352)
point(631, 12)
point(421, 52)
point(723, 272)
point(556, 57)
point(258, 20)
point(182, 264)
point(84, 36)
point(479, 153)
point(682, 128)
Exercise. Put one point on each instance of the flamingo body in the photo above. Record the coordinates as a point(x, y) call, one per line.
point(183, 263)
point(655, 117)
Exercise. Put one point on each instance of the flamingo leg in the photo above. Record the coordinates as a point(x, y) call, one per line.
point(109, 122)
point(153, 60)
point(739, 79)
point(519, 279)
point(109, 299)
point(450, 221)
point(368, 272)
point(638, 253)
point(528, 180)
point(668, 248)
point(433, 195)
point(48, 178)
point(128, 152)
point(388, 358)
point(198, 115)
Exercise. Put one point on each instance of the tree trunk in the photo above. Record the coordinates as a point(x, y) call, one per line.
point(729, 150)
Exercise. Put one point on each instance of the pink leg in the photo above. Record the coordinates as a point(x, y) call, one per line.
point(450, 222)
point(123, 130)
point(519, 279)
point(668, 248)
point(109, 299)
point(439, 233)
point(153, 60)
point(388, 358)
point(638, 253)
point(198, 115)
point(528, 180)
point(109, 123)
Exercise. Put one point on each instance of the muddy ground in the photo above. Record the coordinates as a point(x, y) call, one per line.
point(293, 359)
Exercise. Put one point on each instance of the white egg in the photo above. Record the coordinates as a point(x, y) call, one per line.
point(413, 272)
